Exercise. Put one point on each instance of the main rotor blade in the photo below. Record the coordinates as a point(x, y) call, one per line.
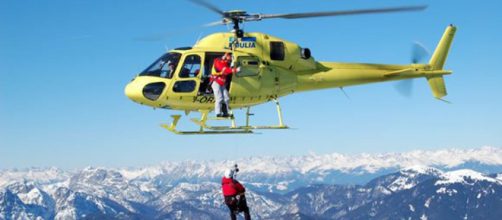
point(216, 23)
point(167, 35)
point(339, 13)
point(208, 6)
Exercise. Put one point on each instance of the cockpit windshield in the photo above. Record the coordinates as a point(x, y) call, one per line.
point(164, 67)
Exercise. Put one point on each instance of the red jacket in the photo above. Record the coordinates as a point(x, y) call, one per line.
point(222, 67)
point(231, 187)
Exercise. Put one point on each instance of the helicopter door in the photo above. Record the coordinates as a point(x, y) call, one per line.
point(188, 80)
point(246, 82)
point(205, 87)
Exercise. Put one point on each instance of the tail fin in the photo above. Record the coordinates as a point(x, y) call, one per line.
point(437, 61)
point(441, 53)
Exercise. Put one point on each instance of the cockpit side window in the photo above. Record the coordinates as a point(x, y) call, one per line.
point(191, 67)
point(164, 67)
point(277, 50)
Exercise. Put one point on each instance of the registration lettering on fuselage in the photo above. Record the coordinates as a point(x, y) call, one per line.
point(203, 99)
point(245, 42)
point(208, 99)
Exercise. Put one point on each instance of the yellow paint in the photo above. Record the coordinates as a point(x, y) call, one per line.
point(270, 79)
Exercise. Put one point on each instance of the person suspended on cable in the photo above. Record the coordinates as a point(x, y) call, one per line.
point(234, 194)
point(219, 78)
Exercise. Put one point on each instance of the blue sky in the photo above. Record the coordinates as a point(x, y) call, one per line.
point(64, 64)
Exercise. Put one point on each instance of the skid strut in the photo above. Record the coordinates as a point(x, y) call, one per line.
point(204, 128)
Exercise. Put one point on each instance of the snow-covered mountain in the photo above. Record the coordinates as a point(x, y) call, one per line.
point(282, 174)
point(459, 194)
point(444, 184)
point(276, 174)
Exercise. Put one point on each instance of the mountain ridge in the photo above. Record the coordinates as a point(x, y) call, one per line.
point(183, 190)
point(282, 174)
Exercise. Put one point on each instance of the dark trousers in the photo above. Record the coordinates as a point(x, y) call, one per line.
point(237, 204)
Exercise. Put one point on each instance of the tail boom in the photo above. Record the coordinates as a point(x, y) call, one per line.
point(334, 74)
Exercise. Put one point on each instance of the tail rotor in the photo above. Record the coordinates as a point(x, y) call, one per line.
point(419, 53)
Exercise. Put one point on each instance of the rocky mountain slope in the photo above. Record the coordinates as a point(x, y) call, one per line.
point(467, 184)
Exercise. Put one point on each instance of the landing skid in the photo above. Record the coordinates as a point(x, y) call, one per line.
point(204, 128)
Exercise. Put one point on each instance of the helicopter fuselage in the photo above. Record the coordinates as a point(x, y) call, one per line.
point(270, 68)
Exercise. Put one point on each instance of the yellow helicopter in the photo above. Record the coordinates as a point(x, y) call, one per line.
point(270, 67)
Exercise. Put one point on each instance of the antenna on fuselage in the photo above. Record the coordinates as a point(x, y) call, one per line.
point(198, 38)
point(344, 93)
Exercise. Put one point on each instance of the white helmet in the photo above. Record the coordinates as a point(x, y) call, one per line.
point(229, 173)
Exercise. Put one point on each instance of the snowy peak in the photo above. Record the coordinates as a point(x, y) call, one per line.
point(30, 194)
point(109, 184)
point(98, 193)
point(410, 177)
point(465, 176)
point(206, 192)
point(421, 170)
point(79, 205)
point(99, 176)
point(272, 174)
point(405, 178)
point(338, 186)
point(313, 168)
point(319, 164)
point(24, 200)
point(36, 175)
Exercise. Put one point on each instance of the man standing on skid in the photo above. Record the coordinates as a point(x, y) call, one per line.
point(219, 84)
